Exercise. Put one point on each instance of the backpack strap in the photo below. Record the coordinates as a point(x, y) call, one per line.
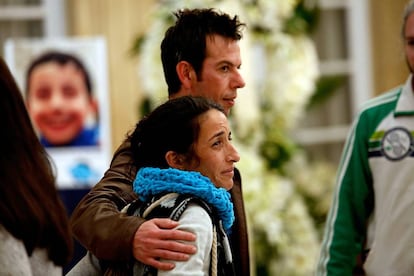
point(170, 205)
point(173, 205)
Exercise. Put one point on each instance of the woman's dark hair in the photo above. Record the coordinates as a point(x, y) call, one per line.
point(172, 126)
point(61, 59)
point(186, 40)
point(30, 207)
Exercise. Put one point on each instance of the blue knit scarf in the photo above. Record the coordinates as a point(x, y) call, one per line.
point(152, 181)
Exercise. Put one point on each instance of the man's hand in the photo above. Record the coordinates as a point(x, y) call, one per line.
point(157, 239)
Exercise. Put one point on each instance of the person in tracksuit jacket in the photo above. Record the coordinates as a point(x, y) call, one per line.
point(372, 213)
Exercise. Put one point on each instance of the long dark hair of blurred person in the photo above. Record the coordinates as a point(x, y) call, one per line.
point(32, 216)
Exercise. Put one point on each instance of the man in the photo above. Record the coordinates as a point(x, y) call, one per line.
point(372, 211)
point(201, 57)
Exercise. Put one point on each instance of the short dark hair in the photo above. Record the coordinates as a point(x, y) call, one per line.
point(172, 126)
point(62, 59)
point(186, 40)
point(408, 10)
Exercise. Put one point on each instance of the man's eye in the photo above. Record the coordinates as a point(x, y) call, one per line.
point(225, 68)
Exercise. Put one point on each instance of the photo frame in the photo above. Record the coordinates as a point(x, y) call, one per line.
point(78, 165)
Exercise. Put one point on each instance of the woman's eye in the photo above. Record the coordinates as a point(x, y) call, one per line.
point(216, 143)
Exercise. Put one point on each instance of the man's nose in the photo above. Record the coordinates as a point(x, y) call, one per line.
point(239, 81)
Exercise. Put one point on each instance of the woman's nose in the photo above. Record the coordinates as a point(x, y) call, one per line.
point(234, 155)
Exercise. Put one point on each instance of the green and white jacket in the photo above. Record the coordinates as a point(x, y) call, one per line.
point(373, 204)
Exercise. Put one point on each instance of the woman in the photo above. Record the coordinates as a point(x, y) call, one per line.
point(184, 146)
point(183, 149)
point(34, 232)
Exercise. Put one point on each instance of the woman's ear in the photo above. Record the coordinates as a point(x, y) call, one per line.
point(174, 160)
point(185, 73)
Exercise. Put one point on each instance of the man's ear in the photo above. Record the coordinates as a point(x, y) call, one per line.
point(185, 73)
point(174, 160)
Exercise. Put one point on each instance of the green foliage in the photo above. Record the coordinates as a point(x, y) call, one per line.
point(303, 21)
point(145, 107)
point(276, 151)
point(135, 49)
point(326, 86)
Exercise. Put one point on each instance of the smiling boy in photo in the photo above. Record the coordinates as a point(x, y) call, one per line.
point(60, 101)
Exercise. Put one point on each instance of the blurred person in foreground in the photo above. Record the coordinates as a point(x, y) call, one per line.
point(34, 230)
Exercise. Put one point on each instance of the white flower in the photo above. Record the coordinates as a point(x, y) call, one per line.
point(292, 72)
point(150, 69)
point(269, 14)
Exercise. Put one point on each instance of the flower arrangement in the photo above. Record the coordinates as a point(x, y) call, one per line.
point(286, 196)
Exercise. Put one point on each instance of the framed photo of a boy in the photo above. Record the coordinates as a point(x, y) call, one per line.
point(64, 83)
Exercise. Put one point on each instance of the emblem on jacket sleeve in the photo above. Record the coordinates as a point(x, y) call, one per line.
point(397, 143)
